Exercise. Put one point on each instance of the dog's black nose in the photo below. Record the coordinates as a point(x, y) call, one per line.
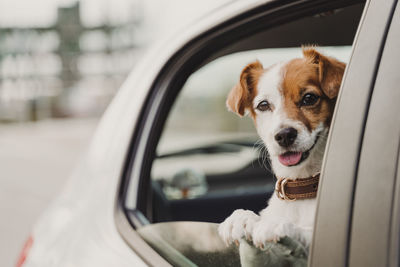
point(286, 137)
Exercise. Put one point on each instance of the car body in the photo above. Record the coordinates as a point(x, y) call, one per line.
point(94, 221)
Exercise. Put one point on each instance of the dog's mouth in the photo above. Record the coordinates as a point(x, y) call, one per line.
point(293, 158)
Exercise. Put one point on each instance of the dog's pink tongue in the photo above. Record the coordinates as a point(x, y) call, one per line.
point(290, 158)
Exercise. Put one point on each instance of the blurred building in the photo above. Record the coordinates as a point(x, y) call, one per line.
point(66, 69)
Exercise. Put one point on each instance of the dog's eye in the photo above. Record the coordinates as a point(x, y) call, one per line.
point(309, 99)
point(263, 106)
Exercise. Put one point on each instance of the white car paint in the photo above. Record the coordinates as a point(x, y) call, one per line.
point(78, 229)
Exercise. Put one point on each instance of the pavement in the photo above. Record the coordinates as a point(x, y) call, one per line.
point(36, 159)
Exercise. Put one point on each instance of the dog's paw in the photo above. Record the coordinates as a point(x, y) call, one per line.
point(239, 225)
point(272, 231)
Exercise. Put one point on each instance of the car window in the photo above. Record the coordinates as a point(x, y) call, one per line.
point(206, 152)
point(208, 162)
point(202, 138)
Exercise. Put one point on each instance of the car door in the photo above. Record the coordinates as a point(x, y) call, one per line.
point(354, 220)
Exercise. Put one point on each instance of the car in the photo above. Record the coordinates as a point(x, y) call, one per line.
point(168, 161)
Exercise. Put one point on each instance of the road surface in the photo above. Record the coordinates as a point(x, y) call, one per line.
point(35, 159)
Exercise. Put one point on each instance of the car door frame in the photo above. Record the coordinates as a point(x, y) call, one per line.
point(374, 206)
point(331, 239)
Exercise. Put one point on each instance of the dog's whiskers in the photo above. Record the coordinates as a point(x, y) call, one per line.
point(263, 158)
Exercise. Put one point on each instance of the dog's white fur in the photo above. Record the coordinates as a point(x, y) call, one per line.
point(294, 219)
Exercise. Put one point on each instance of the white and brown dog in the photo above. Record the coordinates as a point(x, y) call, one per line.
point(291, 104)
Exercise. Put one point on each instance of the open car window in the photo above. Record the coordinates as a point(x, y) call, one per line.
point(210, 162)
point(203, 162)
point(210, 156)
point(201, 137)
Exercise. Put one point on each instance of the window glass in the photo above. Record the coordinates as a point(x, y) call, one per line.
point(198, 244)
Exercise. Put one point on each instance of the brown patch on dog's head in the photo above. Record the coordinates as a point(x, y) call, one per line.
point(314, 74)
point(330, 71)
point(241, 96)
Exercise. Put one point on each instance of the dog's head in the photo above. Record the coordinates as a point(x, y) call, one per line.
point(291, 104)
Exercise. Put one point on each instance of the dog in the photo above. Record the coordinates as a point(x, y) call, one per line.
point(291, 104)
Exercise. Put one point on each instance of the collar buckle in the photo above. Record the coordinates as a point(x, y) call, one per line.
point(280, 189)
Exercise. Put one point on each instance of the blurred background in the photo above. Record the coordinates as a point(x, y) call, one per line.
point(61, 63)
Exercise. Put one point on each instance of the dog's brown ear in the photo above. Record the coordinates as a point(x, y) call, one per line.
point(330, 71)
point(241, 95)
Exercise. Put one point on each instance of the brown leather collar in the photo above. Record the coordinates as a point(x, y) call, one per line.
point(304, 188)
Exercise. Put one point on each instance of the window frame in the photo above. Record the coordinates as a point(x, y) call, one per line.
point(332, 229)
point(372, 198)
point(165, 89)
